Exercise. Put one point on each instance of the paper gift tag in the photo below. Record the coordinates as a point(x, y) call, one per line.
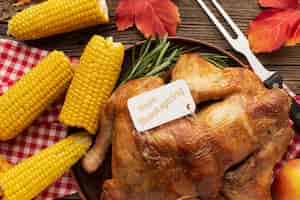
point(161, 105)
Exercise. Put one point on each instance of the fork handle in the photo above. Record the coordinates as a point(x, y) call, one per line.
point(276, 81)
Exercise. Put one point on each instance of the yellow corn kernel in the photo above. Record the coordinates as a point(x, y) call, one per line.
point(4, 165)
point(33, 93)
point(30, 177)
point(93, 82)
point(57, 16)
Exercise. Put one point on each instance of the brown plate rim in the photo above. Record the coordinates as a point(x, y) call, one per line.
point(173, 39)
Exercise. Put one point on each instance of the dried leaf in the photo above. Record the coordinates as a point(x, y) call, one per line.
point(22, 2)
point(151, 17)
point(7, 10)
point(275, 27)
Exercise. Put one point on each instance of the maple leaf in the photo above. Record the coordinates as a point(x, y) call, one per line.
point(279, 3)
point(275, 27)
point(151, 17)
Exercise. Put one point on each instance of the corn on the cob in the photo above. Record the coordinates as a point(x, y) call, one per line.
point(4, 165)
point(57, 16)
point(30, 177)
point(93, 82)
point(31, 95)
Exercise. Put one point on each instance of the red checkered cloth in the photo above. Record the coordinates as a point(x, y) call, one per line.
point(16, 60)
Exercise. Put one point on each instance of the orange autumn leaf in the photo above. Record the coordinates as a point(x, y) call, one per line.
point(279, 3)
point(275, 27)
point(151, 17)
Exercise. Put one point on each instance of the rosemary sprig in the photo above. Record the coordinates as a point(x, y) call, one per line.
point(158, 56)
point(153, 58)
point(218, 60)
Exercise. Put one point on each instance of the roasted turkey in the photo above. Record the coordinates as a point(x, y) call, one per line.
point(225, 151)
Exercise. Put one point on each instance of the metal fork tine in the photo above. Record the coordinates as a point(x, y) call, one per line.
point(228, 19)
point(216, 21)
point(240, 44)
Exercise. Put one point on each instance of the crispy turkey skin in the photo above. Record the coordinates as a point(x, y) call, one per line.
point(225, 151)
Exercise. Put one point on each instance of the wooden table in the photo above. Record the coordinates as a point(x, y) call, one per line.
point(194, 24)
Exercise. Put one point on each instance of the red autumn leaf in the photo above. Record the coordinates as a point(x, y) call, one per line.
point(295, 37)
point(151, 17)
point(275, 27)
point(279, 3)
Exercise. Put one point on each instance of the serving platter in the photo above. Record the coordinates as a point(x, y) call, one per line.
point(90, 185)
